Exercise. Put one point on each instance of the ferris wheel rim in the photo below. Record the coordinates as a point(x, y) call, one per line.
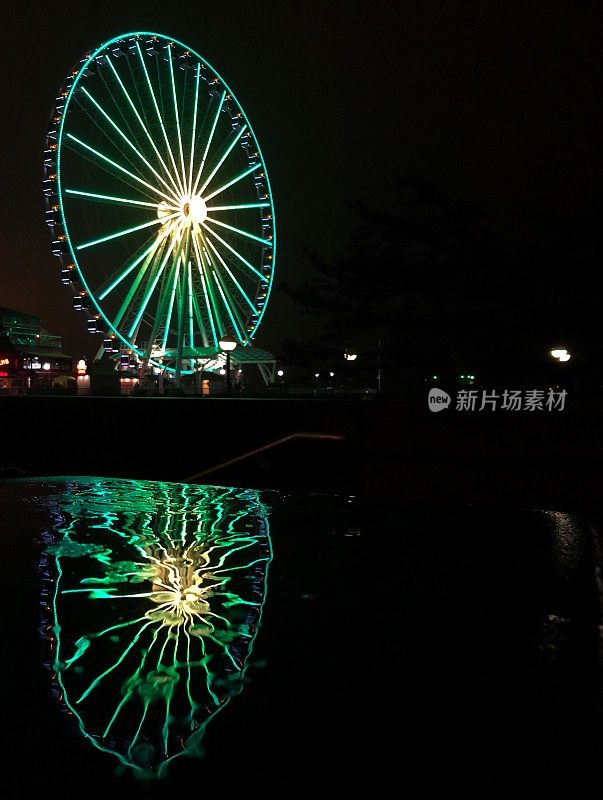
point(78, 73)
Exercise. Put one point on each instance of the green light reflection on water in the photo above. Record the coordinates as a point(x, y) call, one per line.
point(157, 601)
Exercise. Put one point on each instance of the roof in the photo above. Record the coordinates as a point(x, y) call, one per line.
point(41, 352)
point(251, 355)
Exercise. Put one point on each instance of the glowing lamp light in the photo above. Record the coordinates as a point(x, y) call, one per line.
point(46, 366)
point(350, 355)
point(280, 373)
point(81, 367)
point(331, 374)
point(560, 354)
point(222, 371)
point(228, 343)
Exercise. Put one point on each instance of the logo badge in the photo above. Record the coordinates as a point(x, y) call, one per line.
point(438, 400)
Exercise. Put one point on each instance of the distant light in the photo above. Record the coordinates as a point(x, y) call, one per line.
point(316, 374)
point(561, 354)
point(240, 371)
point(331, 374)
point(46, 365)
point(81, 367)
point(350, 355)
point(222, 371)
point(280, 373)
point(434, 377)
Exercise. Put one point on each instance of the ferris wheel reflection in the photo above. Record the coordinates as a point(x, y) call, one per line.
point(153, 596)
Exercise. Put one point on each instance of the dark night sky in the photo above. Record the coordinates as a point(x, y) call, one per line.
point(494, 101)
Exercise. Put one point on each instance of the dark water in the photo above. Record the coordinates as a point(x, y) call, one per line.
point(161, 639)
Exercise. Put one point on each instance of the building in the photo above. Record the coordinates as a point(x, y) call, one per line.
point(31, 358)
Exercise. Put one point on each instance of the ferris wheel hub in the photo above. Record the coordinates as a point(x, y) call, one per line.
point(196, 209)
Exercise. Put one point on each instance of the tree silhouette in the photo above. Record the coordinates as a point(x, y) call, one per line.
point(443, 286)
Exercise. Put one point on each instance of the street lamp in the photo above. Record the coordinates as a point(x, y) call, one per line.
point(228, 344)
point(350, 355)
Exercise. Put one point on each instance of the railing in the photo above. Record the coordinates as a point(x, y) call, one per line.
point(337, 437)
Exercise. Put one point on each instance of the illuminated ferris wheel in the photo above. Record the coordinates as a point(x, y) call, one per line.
point(159, 204)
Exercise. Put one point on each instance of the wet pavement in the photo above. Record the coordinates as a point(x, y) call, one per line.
point(405, 649)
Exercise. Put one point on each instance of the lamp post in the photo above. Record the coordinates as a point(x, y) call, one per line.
point(228, 344)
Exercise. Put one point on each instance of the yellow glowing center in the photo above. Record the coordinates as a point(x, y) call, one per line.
point(187, 211)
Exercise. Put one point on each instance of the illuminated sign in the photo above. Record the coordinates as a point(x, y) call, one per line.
point(3, 374)
point(4, 362)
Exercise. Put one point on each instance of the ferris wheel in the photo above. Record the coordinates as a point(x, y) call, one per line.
point(159, 204)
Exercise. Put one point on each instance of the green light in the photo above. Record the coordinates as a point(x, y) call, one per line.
point(223, 158)
point(184, 570)
point(232, 250)
point(205, 293)
point(235, 208)
point(234, 280)
point(193, 137)
point(266, 242)
point(127, 141)
point(227, 306)
point(176, 114)
point(141, 121)
point(232, 182)
point(126, 231)
point(151, 289)
point(112, 199)
point(186, 121)
point(129, 269)
point(159, 117)
point(209, 141)
point(121, 169)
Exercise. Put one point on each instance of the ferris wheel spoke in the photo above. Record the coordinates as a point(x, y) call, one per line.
point(226, 297)
point(209, 141)
point(111, 199)
point(176, 263)
point(178, 188)
point(229, 306)
point(232, 182)
point(137, 283)
point(103, 292)
point(162, 306)
point(151, 288)
point(176, 114)
point(234, 280)
point(154, 189)
point(238, 207)
point(223, 158)
point(128, 141)
point(141, 121)
point(127, 231)
point(208, 304)
point(200, 323)
point(265, 242)
point(241, 258)
point(170, 311)
point(194, 133)
point(191, 337)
